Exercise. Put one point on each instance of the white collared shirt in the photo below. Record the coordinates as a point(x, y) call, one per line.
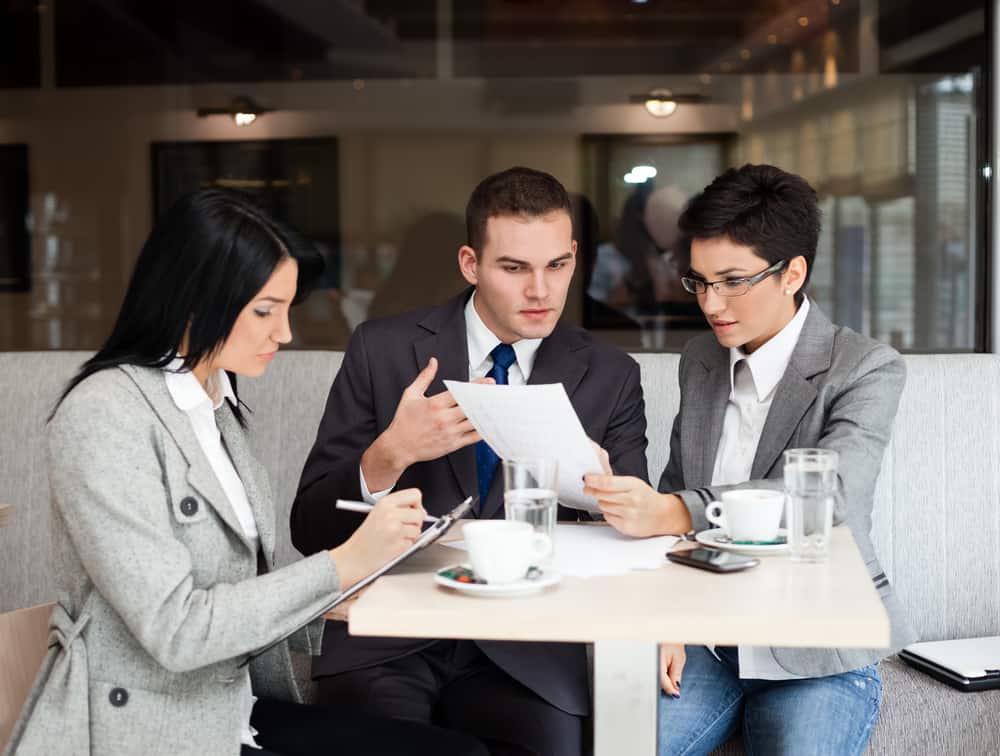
point(750, 401)
point(480, 341)
point(752, 389)
point(200, 407)
point(192, 399)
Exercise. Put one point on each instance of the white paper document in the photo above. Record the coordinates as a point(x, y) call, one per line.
point(596, 550)
point(525, 422)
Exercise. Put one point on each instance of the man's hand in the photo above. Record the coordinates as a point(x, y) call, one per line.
point(635, 508)
point(672, 660)
point(422, 429)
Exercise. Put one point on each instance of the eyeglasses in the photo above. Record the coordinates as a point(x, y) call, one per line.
point(730, 287)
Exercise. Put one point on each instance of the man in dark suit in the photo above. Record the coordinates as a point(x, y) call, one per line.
point(390, 424)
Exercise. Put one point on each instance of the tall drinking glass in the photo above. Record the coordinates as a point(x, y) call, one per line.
point(530, 493)
point(811, 491)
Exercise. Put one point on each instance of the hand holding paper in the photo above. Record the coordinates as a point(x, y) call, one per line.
point(524, 422)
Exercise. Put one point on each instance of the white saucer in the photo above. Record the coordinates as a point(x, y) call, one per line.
point(523, 587)
point(717, 539)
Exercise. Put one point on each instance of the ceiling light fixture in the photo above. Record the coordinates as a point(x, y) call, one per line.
point(243, 110)
point(661, 103)
point(660, 106)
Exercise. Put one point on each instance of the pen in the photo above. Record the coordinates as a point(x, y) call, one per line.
point(360, 506)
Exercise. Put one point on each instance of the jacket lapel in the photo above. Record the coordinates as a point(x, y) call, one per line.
point(705, 405)
point(258, 495)
point(561, 358)
point(447, 341)
point(794, 393)
point(200, 475)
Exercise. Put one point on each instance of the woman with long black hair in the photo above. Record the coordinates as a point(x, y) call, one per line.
point(164, 528)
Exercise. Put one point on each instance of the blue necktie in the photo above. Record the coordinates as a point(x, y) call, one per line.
point(486, 459)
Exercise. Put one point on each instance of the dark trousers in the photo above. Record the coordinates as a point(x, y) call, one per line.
point(288, 729)
point(454, 685)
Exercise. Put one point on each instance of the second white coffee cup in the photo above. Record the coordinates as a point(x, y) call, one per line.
point(748, 514)
point(501, 551)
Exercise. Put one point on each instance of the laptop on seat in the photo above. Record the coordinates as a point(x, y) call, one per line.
point(967, 664)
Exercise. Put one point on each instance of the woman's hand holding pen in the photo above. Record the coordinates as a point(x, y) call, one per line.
point(388, 530)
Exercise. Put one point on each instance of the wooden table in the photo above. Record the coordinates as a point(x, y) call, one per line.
point(779, 603)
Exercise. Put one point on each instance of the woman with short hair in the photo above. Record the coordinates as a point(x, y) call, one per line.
point(775, 374)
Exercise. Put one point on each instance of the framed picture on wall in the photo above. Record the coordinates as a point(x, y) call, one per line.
point(295, 180)
point(636, 187)
point(15, 238)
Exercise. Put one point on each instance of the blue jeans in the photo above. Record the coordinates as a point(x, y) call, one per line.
point(812, 717)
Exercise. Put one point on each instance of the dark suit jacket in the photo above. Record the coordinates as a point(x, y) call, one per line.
point(382, 359)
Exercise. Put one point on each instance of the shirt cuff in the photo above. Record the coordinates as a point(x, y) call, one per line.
point(696, 502)
point(368, 496)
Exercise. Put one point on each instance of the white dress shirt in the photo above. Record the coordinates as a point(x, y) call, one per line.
point(481, 341)
point(200, 406)
point(753, 379)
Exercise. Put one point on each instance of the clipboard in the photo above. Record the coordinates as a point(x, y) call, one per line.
point(425, 539)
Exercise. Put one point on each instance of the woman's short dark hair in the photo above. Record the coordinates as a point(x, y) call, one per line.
point(759, 206)
point(203, 262)
point(517, 191)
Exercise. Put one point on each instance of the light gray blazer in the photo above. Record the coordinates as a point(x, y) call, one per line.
point(160, 598)
point(840, 391)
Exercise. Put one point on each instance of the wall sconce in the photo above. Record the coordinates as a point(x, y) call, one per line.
point(243, 111)
point(661, 103)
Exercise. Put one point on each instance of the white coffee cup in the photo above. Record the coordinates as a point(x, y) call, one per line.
point(501, 551)
point(748, 514)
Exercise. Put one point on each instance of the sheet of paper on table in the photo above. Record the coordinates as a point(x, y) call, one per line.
point(525, 422)
point(595, 550)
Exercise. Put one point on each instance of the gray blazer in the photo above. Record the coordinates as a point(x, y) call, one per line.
point(161, 596)
point(840, 391)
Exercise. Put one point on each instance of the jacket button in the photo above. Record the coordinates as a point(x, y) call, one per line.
point(189, 506)
point(118, 697)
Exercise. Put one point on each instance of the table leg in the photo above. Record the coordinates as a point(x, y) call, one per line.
point(626, 698)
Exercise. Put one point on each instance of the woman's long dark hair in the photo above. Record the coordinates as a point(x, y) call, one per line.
point(204, 261)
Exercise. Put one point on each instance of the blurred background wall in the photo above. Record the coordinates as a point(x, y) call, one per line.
point(367, 124)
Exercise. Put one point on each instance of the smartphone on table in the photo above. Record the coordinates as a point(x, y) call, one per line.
point(713, 560)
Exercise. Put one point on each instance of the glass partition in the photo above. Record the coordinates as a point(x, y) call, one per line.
point(366, 123)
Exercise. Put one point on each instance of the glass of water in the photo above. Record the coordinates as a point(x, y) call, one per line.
point(811, 492)
point(530, 493)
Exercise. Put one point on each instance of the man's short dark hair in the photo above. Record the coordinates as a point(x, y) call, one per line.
point(517, 191)
point(760, 206)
